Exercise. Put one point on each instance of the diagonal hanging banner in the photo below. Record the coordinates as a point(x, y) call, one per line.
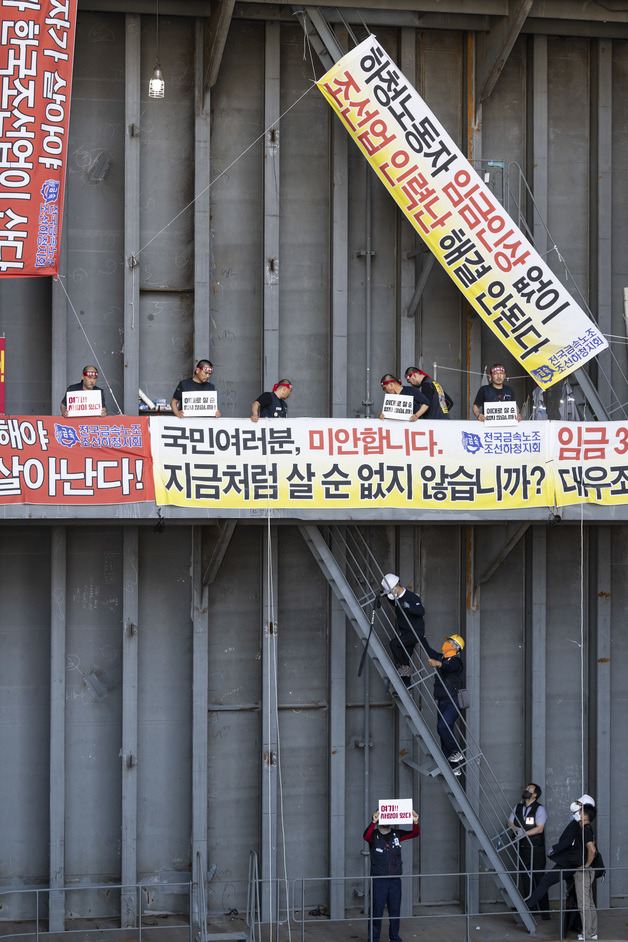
point(36, 56)
point(454, 212)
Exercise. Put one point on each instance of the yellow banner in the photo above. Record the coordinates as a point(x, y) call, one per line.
point(350, 465)
point(466, 228)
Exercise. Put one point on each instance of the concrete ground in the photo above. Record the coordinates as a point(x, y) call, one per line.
point(430, 924)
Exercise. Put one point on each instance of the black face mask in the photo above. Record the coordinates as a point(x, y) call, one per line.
point(525, 795)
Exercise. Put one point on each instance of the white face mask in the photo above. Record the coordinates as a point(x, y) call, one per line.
point(576, 816)
point(574, 806)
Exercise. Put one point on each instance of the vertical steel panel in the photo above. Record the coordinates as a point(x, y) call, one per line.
point(617, 808)
point(474, 718)
point(305, 212)
point(25, 673)
point(58, 617)
point(164, 821)
point(602, 205)
point(337, 755)
point(129, 753)
point(94, 199)
point(339, 265)
point(270, 723)
point(25, 314)
point(537, 702)
point(132, 144)
point(619, 181)
point(237, 219)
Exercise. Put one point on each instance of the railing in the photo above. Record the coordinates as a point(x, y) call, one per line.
point(364, 574)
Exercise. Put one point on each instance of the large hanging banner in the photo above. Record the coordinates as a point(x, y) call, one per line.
point(352, 464)
point(44, 460)
point(36, 56)
point(454, 212)
point(2, 386)
point(590, 462)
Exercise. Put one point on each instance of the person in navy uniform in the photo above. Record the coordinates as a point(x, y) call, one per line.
point(90, 375)
point(272, 405)
point(409, 613)
point(386, 866)
point(199, 382)
point(528, 820)
point(495, 391)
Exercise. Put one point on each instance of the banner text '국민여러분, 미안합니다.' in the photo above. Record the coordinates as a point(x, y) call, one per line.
point(469, 232)
point(36, 57)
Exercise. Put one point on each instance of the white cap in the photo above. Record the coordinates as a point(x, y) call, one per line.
point(586, 800)
point(388, 584)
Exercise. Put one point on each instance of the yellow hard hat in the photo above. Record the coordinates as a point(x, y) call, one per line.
point(456, 640)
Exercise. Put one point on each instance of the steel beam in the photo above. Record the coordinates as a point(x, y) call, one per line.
point(132, 117)
point(270, 745)
point(538, 655)
point(130, 651)
point(321, 35)
point(337, 755)
point(515, 532)
point(339, 269)
point(202, 216)
point(271, 204)
point(56, 915)
point(495, 46)
point(200, 712)
point(216, 31)
point(604, 706)
point(472, 673)
point(226, 531)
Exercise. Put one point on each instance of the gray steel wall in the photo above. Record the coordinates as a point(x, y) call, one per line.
point(522, 733)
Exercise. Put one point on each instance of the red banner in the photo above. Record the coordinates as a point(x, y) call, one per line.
point(45, 460)
point(1, 375)
point(36, 55)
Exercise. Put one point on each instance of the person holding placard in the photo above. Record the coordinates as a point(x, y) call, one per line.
point(386, 867)
point(272, 405)
point(198, 383)
point(495, 391)
point(87, 384)
point(393, 387)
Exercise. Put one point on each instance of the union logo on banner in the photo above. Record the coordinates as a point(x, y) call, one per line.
point(36, 56)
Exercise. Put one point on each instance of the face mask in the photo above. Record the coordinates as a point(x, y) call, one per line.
point(449, 649)
point(574, 806)
point(576, 816)
point(384, 829)
point(525, 795)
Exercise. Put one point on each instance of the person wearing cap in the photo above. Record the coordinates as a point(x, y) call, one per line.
point(409, 613)
point(570, 854)
point(447, 683)
point(495, 391)
point(272, 405)
point(199, 382)
point(386, 867)
point(528, 820)
point(393, 387)
point(90, 375)
point(418, 379)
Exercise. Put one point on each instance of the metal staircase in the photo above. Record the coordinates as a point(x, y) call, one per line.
point(354, 576)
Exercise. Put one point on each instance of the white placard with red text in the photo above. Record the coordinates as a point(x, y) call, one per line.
point(395, 812)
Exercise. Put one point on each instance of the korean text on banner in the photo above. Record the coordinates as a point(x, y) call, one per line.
point(2, 387)
point(69, 461)
point(350, 464)
point(36, 55)
point(452, 209)
point(394, 811)
point(589, 462)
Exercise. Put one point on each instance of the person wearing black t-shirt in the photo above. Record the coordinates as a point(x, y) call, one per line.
point(393, 387)
point(495, 391)
point(418, 379)
point(272, 405)
point(197, 383)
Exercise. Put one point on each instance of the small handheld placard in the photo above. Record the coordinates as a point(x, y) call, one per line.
point(83, 402)
point(395, 811)
point(398, 407)
point(501, 413)
point(199, 404)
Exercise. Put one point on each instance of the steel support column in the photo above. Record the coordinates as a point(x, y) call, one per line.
point(132, 59)
point(408, 242)
point(202, 222)
point(271, 204)
point(337, 755)
point(56, 915)
point(339, 268)
point(538, 655)
point(268, 855)
point(409, 574)
point(472, 667)
point(603, 663)
point(200, 704)
point(130, 651)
